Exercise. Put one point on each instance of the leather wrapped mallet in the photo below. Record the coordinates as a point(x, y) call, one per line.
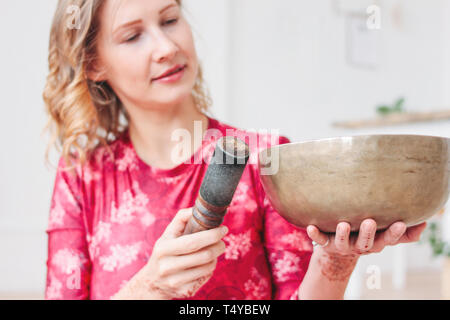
point(219, 184)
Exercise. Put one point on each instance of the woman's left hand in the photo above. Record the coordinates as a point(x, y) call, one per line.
point(367, 240)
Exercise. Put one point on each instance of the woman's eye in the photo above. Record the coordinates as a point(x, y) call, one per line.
point(173, 21)
point(136, 36)
point(132, 38)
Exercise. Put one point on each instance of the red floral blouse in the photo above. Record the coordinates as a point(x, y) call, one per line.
point(106, 216)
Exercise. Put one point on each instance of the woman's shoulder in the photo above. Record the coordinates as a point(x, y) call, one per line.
point(96, 160)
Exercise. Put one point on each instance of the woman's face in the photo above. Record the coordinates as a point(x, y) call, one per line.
point(140, 40)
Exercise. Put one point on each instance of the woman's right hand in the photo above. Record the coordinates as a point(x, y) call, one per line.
point(180, 264)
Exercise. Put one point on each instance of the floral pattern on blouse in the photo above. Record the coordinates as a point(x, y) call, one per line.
point(106, 216)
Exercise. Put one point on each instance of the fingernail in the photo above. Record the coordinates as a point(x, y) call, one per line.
point(224, 230)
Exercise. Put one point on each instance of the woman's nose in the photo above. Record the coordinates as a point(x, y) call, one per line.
point(164, 48)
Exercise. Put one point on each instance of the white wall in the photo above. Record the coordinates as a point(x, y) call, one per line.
point(289, 58)
point(211, 27)
point(26, 184)
point(269, 64)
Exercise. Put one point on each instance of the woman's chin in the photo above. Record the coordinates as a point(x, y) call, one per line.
point(166, 102)
point(171, 95)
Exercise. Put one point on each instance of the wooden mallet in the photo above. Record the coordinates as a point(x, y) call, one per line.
point(219, 184)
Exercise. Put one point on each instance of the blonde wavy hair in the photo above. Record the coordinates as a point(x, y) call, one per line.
point(83, 114)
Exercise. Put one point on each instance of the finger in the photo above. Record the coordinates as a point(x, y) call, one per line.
point(412, 234)
point(366, 236)
point(179, 279)
point(341, 240)
point(173, 264)
point(178, 224)
point(389, 237)
point(378, 243)
point(194, 242)
point(317, 236)
point(394, 233)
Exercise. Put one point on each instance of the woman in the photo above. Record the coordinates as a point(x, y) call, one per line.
point(122, 195)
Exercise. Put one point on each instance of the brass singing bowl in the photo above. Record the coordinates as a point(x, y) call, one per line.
point(387, 178)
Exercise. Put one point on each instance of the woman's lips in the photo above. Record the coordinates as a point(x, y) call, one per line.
point(173, 77)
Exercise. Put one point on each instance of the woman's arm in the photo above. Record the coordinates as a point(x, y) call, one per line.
point(288, 250)
point(68, 265)
point(334, 260)
point(68, 261)
point(327, 276)
point(179, 265)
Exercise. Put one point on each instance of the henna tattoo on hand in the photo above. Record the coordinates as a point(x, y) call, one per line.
point(196, 286)
point(337, 267)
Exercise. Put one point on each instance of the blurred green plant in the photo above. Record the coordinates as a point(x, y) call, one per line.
point(433, 236)
point(397, 107)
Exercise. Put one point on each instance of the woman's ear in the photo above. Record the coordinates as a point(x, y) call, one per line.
point(95, 73)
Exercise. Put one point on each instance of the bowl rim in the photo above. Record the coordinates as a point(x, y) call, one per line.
point(359, 137)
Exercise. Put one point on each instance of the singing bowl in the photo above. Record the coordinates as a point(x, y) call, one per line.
point(387, 178)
